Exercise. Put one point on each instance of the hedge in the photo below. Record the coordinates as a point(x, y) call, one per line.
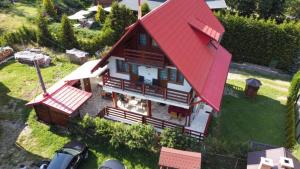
point(292, 114)
point(20, 36)
point(260, 41)
point(137, 136)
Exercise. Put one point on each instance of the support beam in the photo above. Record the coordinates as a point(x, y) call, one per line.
point(115, 99)
point(149, 110)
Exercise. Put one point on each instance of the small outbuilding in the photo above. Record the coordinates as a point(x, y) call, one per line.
point(178, 159)
point(61, 105)
point(252, 87)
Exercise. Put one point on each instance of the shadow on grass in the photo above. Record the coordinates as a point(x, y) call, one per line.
point(13, 116)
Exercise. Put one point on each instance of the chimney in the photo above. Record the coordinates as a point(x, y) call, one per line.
point(38, 71)
point(286, 163)
point(139, 9)
point(266, 163)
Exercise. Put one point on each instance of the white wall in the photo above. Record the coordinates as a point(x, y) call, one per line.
point(112, 66)
point(148, 73)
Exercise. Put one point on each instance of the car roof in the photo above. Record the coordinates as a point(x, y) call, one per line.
point(60, 161)
point(113, 164)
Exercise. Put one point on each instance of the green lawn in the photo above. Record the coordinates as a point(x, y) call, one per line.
point(16, 16)
point(260, 119)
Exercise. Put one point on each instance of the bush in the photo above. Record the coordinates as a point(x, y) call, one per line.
point(22, 35)
point(5, 3)
point(141, 137)
point(261, 41)
point(173, 138)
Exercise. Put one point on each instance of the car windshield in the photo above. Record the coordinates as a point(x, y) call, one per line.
point(70, 151)
point(60, 161)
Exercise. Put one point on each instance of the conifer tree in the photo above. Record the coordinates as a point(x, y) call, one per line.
point(43, 35)
point(145, 9)
point(48, 7)
point(100, 15)
point(67, 35)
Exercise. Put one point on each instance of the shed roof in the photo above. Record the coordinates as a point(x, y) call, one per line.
point(188, 33)
point(66, 99)
point(179, 159)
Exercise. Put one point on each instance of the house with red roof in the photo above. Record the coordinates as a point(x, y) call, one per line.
point(168, 69)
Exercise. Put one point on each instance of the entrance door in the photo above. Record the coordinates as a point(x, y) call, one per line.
point(87, 85)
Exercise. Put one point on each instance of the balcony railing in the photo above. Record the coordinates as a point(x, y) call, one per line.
point(155, 122)
point(140, 56)
point(147, 90)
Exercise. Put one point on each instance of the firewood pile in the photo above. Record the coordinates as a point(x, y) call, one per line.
point(5, 52)
point(28, 56)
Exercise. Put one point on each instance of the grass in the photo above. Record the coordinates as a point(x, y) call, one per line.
point(261, 119)
point(16, 16)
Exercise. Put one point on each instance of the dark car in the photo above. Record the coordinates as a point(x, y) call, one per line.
point(69, 156)
point(112, 164)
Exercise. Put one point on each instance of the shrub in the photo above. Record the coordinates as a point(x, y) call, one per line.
point(100, 15)
point(173, 138)
point(5, 3)
point(261, 41)
point(22, 35)
point(141, 137)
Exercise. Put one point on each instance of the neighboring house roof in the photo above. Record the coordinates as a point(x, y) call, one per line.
point(254, 158)
point(133, 5)
point(187, 31)
point(179, 159)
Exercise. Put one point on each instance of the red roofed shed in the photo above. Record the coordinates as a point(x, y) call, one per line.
point(58, 107)
point(178, 159)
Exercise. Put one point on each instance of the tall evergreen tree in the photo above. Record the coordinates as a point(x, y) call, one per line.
point(43, 35)
point(100, 15)
point(293, 8)
point(118, 19)
point(67, 35)
point(48, 7)
point(145, 8)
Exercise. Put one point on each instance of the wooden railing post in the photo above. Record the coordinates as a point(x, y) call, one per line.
point(122, 84)
point(143, 89)
point(143, 120)
point(165, 93)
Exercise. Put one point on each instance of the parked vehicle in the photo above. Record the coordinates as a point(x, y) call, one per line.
point(112, 164)
point(69, 157)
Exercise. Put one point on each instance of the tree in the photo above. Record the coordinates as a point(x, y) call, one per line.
point(100, 15)
point(270, 8)
point(118, 19)
point(246, 7)
point(67, 36)
point(291, 113)
point(145, 8)
point(292, 8)
point(48, 7)
point(43, 35)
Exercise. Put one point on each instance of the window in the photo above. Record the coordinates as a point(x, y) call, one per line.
point(175, 76)
point(143, 39)
point(134, 69)
point(154, 44)
point(122, 67)
point(163, 74)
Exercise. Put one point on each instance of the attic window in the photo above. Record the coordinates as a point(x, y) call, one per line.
point(143, 39)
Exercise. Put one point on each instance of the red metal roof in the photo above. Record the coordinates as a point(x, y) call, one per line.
point(179, 159)
point(66, 99)
point(185, 31)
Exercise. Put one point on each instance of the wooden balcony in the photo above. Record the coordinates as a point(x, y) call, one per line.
point(147, 90)
point(144, 57)
point(132, 118)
